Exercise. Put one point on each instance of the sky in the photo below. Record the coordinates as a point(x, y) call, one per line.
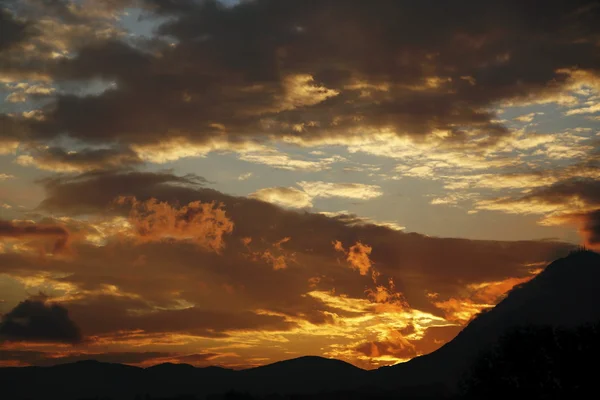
point(236, 183)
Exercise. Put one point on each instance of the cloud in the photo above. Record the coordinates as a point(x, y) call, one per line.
point(12, 31)
point(357, 255)
point(38, 321)
point(166, 295)
point(78, 194)
point(280, 160)
point(574, 200)
point(301, 91)
point(59, 160)
point(588, 223)
point(585, 110)
point(348, 190)
point(351, 219)
point(49, 31)
point(167, 324)
point(482, 296)
point(295, 198)
point(521, 180)
point(396, 346)
point(284, 196)
point(24, 230)
point(569, 195)
point(4, 177)
point(23, 91)
point(94, 192)
point(528, 117)
point(452, 198)
point(274, 254)
point(322, 79)
point(204, 224)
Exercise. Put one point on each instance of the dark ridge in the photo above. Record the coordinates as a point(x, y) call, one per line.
point(169, 365)
point(303, 363)
point(565, 294)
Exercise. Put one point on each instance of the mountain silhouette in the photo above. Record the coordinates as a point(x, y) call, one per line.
point(91, 379)
point(302, 375)
point(566, 294)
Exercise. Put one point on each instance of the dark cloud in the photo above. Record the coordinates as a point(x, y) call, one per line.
point(38, 321)
point(41, 31)
point(589, 225)
point(27, 230)
point(327, 68)
point(585, 189)
point(576, 201)
point(406, 257)
point(61, 160)
point(64, 193)
point(13, 130)
point(212, 323)
point(12, 31)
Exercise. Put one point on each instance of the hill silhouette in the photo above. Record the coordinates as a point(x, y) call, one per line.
point(564, 296)
point(84, 379)
point(307, 374)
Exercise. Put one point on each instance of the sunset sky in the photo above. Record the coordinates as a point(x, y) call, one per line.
point(240, 182)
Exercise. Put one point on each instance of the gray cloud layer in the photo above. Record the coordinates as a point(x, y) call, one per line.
point(314, 69)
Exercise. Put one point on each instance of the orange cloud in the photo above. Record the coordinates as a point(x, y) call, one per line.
point(357, 256)
point(386, 295)
point(491, 292)
point(276, 256)
point(205, 224)
point(483, 295)
point(278, 262)
point(246, 241)
point(337, 245)
point(460, 309)
point(393, 347)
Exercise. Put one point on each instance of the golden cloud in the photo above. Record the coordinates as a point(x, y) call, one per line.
point(284, 196)
point(204, 224)
point(357, 255)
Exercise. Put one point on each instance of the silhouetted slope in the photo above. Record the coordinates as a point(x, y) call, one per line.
point(537, 362)
point(168, 379)
point(71, 381)
point(565, 294)
point(302, 375)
